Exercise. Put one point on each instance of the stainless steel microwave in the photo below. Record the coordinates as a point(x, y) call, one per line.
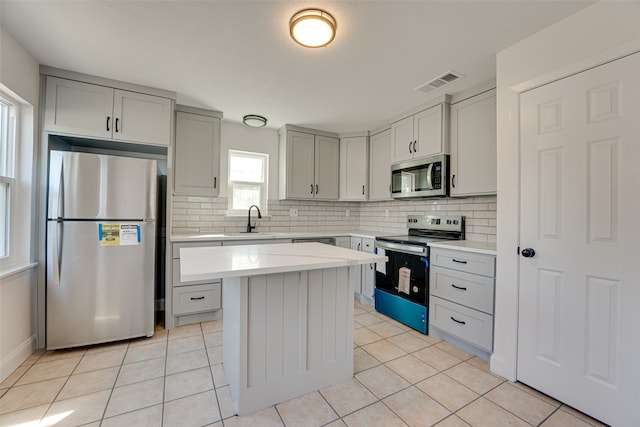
point(426, 177)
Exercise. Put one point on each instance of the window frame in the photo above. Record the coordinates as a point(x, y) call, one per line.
point(264, 185)
point(10, 115)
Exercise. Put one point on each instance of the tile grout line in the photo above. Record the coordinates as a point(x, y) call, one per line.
point(213, 380)
point(113, 386)
point(164, 379)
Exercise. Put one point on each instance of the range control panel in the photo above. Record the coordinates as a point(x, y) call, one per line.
point(436, 222)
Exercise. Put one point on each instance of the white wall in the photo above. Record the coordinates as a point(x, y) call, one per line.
point(590, 37)
point(237, 136)
point(19, 75)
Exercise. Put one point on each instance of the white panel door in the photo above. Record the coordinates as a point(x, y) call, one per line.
point(579, 308)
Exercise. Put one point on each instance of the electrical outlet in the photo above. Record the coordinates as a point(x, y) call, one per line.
point(347, 213)
point(293, 212)
point(386, 213)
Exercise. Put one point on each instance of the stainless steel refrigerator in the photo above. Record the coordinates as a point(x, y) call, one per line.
point(100, 248)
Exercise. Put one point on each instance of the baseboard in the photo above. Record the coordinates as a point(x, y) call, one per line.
point(501, 366)
point(17, 356)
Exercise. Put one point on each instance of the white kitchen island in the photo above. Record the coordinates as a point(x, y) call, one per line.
point(287, 316)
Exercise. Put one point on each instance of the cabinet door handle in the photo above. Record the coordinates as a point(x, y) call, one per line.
point(459, 287)
point(311, 188)
point(462, 322)
point(414, 147)
point(363, 190)
point(410, 142)
point(117, 119)
point(215, 181)
point(458, 261)
point(453, 180)
point(317, 189)
point(196, 298)
point(108, 119)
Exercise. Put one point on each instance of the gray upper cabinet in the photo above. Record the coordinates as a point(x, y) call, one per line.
point(380, 166)
point(353, 168)
point(473, 146)
point(421, 135)
point(309, 165)
point(197, 151)
point(95, 111)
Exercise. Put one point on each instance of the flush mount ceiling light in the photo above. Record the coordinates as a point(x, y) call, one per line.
point(312, 28)
point(254, 120)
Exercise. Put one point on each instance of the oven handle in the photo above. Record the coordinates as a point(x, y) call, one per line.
point(401, 247)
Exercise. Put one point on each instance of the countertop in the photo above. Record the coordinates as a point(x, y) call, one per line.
point(274, 235)
point(207, 263)
point(486, 248)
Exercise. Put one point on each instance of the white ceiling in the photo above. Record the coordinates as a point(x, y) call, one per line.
point(237, 57)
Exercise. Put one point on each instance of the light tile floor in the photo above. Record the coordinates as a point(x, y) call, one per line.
point(176, 378)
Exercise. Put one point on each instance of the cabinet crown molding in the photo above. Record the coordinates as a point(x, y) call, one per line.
point(45, 70)
point(284, 129)
point(446, 99)
point(200, 111)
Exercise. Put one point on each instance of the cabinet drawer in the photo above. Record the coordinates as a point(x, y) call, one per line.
point(175, 247)
point(368, 245)
point(464, 261)
point(176, 276)
point(468, 289)
point(196, 299)
point(470, 325)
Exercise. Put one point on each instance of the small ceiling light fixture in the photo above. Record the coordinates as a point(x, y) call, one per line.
point(254, 120)
point(312, 28)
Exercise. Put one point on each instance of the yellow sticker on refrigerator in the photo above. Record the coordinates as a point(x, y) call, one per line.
point(118, 234)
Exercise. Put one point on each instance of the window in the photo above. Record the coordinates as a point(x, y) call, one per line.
point(248, 174)
point(8, 113)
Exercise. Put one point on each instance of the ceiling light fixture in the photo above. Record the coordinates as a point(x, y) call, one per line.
point(254, 120)
point(312, 28)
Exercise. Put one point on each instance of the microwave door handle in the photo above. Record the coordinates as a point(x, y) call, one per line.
point(429, 177)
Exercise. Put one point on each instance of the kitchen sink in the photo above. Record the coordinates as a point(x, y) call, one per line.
point(253, 233)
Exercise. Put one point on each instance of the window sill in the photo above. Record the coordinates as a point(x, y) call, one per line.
point(244, 215)
point(13, 271)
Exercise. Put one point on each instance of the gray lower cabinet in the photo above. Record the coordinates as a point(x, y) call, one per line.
point(190, 298)
point(461, 300)
point(364, 278)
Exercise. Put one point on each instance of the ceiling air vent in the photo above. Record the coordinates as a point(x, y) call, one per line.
point(438, 82)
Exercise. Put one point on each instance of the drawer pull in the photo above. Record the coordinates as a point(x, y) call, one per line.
point(458, 261)
point(459, 287)
point(458, 321)
point(196, 298)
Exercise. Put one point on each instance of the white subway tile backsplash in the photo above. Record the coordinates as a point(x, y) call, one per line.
point(207, 215)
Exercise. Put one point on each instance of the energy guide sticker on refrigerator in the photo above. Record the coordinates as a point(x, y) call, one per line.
point(118, 234)
point(100, 248)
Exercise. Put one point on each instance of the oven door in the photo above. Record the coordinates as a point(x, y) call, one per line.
point(406, 273)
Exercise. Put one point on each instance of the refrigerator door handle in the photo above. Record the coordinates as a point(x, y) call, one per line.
point(55, 185)
point(54, 244)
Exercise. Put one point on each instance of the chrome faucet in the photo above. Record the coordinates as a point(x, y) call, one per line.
point(249, 226)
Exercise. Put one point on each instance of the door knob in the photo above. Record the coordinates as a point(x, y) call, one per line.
point(528, 253)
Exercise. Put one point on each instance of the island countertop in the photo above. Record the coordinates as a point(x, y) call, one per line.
point(219, 262)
